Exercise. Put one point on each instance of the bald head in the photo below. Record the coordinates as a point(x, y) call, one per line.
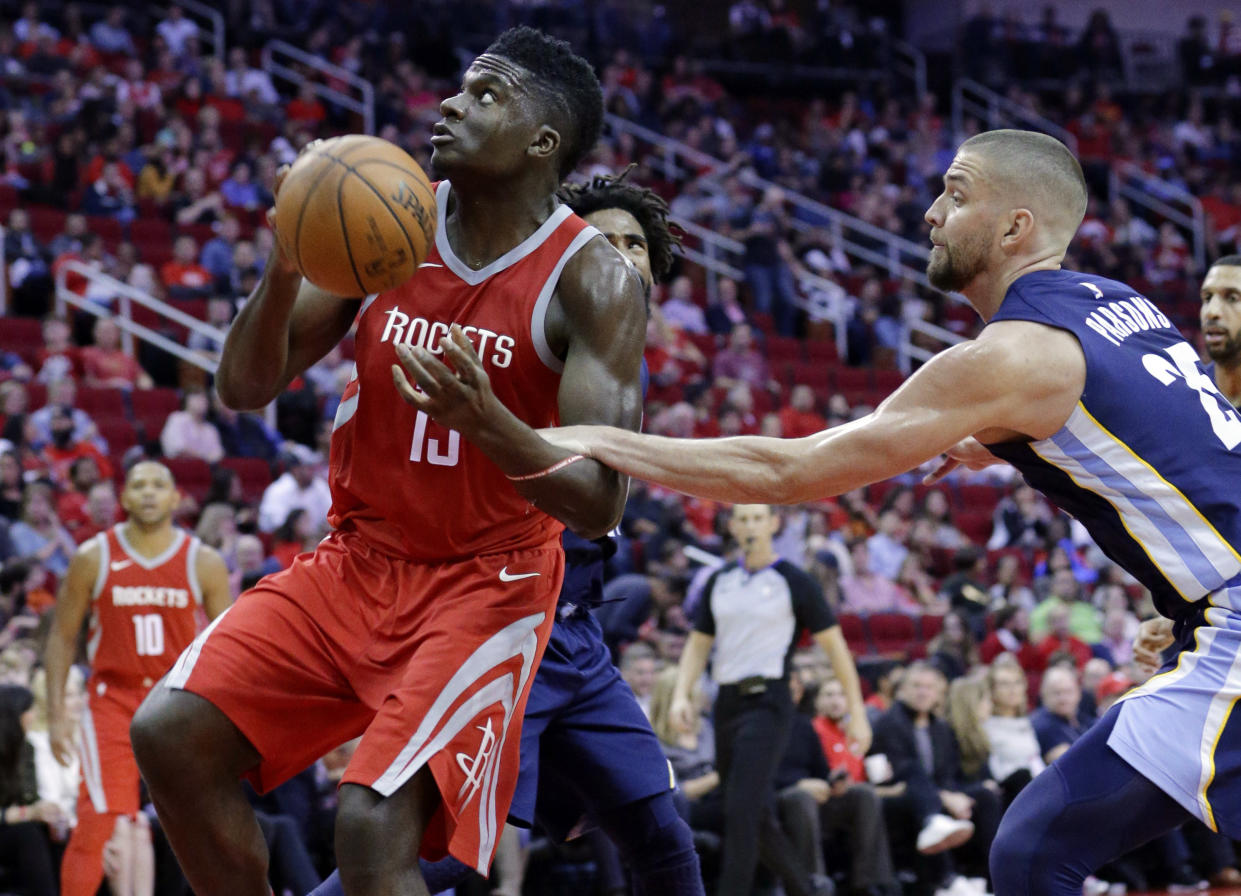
point(1037, 172)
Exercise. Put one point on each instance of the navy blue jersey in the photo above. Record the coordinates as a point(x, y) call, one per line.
point(1149, 461)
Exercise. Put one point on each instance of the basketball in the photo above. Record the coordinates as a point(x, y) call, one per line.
point(356, 215)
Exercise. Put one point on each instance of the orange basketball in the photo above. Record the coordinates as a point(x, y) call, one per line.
point(356, 215)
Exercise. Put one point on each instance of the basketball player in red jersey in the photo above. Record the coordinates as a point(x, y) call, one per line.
point(145, 585)
point(419, 621)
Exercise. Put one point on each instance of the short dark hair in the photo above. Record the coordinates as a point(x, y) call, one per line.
point(1229, 261)
point(1037, 163)
point(566, 84)
point(647, 207)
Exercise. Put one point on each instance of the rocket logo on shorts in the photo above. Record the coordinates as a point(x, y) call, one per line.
point(476, 766)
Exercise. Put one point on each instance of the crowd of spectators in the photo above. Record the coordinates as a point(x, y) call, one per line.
point(138, 153)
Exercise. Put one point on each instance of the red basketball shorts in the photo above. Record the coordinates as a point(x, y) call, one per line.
point(430, 663)
point(109, 770)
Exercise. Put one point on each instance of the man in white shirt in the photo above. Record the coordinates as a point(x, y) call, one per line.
point(298, 488)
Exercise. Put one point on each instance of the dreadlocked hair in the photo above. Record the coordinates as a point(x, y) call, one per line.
point(647, 207)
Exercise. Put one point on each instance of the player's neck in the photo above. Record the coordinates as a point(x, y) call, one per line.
point(1228, 381)
point(149, 541)
point(986, 291)
point(483, 224)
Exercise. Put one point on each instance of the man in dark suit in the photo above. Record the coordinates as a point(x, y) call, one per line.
point(946, 811)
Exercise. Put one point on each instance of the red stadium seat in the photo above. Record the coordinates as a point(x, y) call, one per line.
point(193, 475)
point(929, 625)
point(254, 473)
point(151, 402)
point(783, 348)
point(104, 401)
point(119, 433)
point(853, 627)
point(821, 351)
point(892, 633)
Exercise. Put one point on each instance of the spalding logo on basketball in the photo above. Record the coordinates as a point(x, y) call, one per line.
point(356, 215)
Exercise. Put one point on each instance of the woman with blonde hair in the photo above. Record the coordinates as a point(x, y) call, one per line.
point(968, 708)
point(1015, 754)
point(691, 754)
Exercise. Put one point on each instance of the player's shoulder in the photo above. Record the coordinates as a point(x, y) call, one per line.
point(89, 555)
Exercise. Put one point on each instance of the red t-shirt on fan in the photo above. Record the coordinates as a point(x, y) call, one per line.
point(414, 488)
point(144, 611)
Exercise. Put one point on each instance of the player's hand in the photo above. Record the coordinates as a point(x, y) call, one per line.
point(1154, 636)
point(457, 396)
point(859, 734)
point(682, 713)
point(958, 805)
point(60, 735)
point(577, 439)
point(968, 453)
point(47, 812)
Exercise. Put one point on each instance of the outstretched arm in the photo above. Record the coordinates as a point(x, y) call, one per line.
point(1018, 380)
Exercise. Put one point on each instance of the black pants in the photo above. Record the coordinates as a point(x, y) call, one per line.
point(751, 733)
point(26, 854)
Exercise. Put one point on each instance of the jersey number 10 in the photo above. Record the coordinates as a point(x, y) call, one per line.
point(149, 634)
point(1225, 420)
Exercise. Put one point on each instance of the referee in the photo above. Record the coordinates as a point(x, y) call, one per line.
point(756, 608)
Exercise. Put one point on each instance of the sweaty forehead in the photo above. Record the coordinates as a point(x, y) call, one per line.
point(504, 70)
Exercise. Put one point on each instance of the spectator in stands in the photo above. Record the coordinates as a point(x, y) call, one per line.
point(965, 588)
point(691, 755)
point(158, 176)
point(243, 434)
point(945, 811)
point(220, 313)
point(1020, 520)
point(63, 448)
point(58, 358)
point(239, 189)
point(109, 34)
point(217, 528)
point(800, 418)
point(1065, 592)
point(936, 507)
point(296, 535)
point(300, 486)
point(726, 312)
point(886, 548)
point(680, 309)
point(184, 277)
point(767, 274)
point(632, 607)
point(62, 393)
point(1015, 753)
point(177, 31)
point(26, 818)
point(1059, 722)
point(865, 591)
point(1059, 641)
point(71, 505)
point(953, 651)
point(189, 433)
point(1010, 634)
point(1008, 589)
point(305, 109)
point(12, 487)
point(39, 536)
point(107, 365)
point(27, 261)
point(246, 82)
point(252, 563)
point(966, 711)
point(110, 195)
point(196, 203)
point(740, 361)
point(103, 511)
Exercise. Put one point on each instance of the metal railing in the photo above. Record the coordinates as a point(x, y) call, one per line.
point(126, 297)
point(216, 33)
point(276, 56)
point(899, 257)
point(996, 111)
point(1163, 198)
point(909, 61)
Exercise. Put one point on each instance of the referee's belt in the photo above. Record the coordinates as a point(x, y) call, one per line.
point(752, 686)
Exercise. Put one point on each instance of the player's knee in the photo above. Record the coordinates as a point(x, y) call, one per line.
point(651, 833)
point(376, 835)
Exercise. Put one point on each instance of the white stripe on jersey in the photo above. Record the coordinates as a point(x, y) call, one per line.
point(538, 318)
point(179, 674)
point(434, 733)
point(1189, 553)
point(92, 774)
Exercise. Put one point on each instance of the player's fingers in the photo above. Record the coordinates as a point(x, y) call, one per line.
point(408, 392)
point(465, 360)
point(946, 466)
point(427, 371)
point(281, 173)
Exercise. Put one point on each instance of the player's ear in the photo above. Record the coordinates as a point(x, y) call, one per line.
point(1018, 225)
point(546, 142)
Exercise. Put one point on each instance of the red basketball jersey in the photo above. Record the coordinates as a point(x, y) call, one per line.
point(145, 610)
point(413, 487)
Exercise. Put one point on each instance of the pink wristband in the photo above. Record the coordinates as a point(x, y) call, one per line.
point(554, 468)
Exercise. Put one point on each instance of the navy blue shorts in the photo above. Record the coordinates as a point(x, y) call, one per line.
point(586, 745)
